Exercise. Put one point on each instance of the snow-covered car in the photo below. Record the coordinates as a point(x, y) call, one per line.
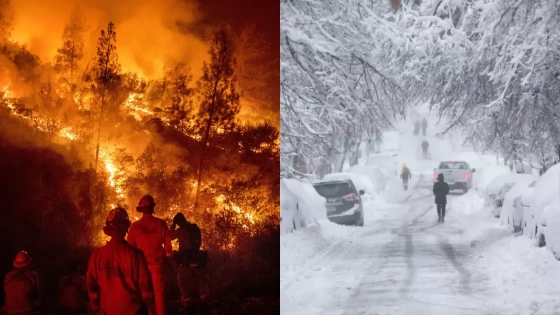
point(552, 230)
point(511, 209)
point(486, 175)
point(523, 211)
point(344, 198)
point(300, 205)
point(545, 193)
point(499, 198)
point(385, 162)
point(494, 187)
point(457, 174)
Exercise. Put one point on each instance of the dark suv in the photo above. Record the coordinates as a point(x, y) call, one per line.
point(344, 204)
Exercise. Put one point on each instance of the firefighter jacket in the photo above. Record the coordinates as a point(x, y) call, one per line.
point(22, 291)
point(152, 236)
point(118, 279)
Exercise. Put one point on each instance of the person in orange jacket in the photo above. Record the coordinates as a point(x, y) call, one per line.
point(152, 236)
point(21, 287)
point(118, 278)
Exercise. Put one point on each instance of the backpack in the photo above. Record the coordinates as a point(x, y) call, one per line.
point(194, 236)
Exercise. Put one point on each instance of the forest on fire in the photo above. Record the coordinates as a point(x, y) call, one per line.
point(80, 136)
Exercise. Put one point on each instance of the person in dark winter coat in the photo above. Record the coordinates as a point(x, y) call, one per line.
point(425, 146)
point(416, 127)
point(441, 189)
point(424, 126)
point(405, 175)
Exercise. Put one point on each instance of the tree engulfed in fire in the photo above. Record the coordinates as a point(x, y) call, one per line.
point(171, 137)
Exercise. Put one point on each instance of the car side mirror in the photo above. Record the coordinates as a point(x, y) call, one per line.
point(473, 170)
point(361, 192)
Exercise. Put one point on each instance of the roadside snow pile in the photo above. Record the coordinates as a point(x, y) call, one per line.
point(298, 250)
point(300, 205)
point(523, 273)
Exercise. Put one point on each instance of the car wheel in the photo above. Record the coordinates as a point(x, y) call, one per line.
point(542, 241)
point(465, 189)
point(360, 221)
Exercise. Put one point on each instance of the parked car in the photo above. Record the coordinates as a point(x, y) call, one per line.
point(510, 205)
point(385, 162)
point(344, 199)
point(457, 174)
point(300, 205)
point(495, 186)
point(499, 199)
point(522, 212)
point(545, 193)
point(552, 229)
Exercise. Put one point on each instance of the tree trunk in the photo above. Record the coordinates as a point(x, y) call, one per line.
point(205, 139)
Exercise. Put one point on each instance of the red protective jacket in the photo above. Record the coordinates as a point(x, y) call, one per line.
point(21, 289)
point(73, 292)
point(152, 236)
point(118, 279)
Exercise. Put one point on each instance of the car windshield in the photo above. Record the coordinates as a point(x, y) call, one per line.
point(333, 190)
point(453, 166)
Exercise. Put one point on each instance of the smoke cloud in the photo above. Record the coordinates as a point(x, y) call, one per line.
point(147, 31)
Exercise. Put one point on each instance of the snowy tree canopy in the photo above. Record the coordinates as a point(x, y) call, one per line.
point(348, 67)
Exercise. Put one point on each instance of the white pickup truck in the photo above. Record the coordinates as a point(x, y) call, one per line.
point(457, 174)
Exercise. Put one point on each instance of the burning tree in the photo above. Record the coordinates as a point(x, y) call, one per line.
point(105, 75)
point(219, 100)
point(71, 51)
point(179, 102)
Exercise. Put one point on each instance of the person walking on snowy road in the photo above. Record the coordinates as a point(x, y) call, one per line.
point(424, 126)
point(416, 127)
point(441, 189)
point(425, 146)
point(405, 175)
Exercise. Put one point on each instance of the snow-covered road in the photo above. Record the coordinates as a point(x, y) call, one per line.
point(402, 262)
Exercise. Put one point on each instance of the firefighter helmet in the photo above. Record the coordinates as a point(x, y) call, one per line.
point(22, 259)
point(146, 203)
point(117, 220)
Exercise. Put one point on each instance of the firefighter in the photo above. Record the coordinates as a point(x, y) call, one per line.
point(73, 291)
point(21, 287)
point(151, 235)
point(190, 262)
point(118, 278)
